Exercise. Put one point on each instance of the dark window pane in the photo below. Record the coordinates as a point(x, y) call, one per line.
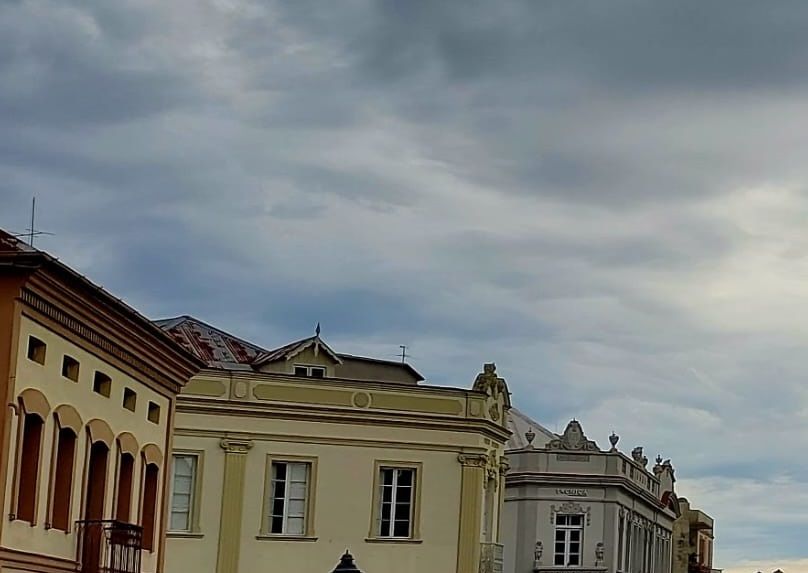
point(560, 535)
point(387, 494)
point(573, 560)
point(559, 559)
point(405, 477)
point(401, 529)
point(317, 372)
point(301, 371)
point(404, 494)
point(387, 477)
point(386, 509)
point(280, 471)
point(277, 524)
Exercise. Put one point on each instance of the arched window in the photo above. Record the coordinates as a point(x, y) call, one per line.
point(63, 478)
point(28, 481)
point(96, 481)
point(126, 472)
point(149, 510)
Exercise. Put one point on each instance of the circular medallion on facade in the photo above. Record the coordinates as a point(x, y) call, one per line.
point(239, 389)
point(361, 400)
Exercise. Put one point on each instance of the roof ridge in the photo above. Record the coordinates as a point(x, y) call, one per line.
point(168, 323)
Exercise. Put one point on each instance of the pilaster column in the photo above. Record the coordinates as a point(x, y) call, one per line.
point(235, 462)
point(471, 490)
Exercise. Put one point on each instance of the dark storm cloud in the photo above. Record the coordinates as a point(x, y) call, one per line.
point(607, 199)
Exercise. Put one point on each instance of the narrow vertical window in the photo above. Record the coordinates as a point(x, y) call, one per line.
point(149, 513)
point(289, 489)
point(153, 414)
point(29, 467)
point(126, 473)
point(96, 481)
point(568, 540)
point(63, 479)
point(129, 399)
point(183, 485)
point(396, 502)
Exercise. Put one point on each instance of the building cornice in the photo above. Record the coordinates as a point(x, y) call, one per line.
point(548, 479)
point(333, 414)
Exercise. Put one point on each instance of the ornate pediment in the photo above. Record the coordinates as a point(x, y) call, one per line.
point(573, 439)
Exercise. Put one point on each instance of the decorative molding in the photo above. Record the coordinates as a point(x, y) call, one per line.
point(573, 439)
point(571, 508)
point(95, 338)
point(473, 460)
point(235, 446)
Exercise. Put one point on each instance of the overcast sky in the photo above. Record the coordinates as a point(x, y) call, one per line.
point(608, 199)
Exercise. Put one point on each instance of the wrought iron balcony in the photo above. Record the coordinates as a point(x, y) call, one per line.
point(108, 546)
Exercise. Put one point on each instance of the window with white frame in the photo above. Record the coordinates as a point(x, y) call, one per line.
point(568, 539)
point(309, 371)
point(396, 500)
point(288, 499)
point(183, 485)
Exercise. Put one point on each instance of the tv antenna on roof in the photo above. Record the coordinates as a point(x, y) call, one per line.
point(403, 354)
point(32, 231)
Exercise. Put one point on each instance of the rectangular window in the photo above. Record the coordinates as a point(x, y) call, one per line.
point(396, 502)
point(36, 350)
point(129, 399)
point(288, 498)
point(153, 414)
point(70, 368)
point(310, 371)
point(183, 487)
point(568, 540)
point(102, 384)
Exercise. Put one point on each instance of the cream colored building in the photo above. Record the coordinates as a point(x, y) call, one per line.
point(694, 536)
point(285, 458)
point(90, 387)
point(571, 506)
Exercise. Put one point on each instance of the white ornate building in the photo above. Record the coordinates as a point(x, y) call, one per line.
point(570, 505)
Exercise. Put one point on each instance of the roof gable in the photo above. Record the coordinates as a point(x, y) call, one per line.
point(289, 351)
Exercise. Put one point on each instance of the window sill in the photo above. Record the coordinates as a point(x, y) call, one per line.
point(392, 540)
point(280, 537)
point(185, 534)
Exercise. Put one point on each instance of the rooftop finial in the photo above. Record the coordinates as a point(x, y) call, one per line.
point(530, 435)
point(317, 330)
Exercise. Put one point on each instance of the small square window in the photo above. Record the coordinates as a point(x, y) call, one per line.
point(317, 372)
point(154, 413)
point(301, 371)
point(70, 368)
point(36, 350)
point(129, 399)
point(102, 384)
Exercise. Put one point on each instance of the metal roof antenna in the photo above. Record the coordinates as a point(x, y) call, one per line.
point(404, 354)
point(32, 231)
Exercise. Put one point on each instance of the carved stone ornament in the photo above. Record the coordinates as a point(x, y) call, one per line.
point(537, 553)
point(235, 446)
point(573, 439)
point(504, 466)
point(530, 435)
point(636, 455)
point(600, 550)
point(571, 508)
point(473, 460)
point(493, 411)
point(488, 382)
point(613, 439)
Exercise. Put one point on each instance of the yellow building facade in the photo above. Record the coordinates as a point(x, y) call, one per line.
point(90, 388)
point(285, 458)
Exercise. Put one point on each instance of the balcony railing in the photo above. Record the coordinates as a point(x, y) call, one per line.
point(107, 546)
